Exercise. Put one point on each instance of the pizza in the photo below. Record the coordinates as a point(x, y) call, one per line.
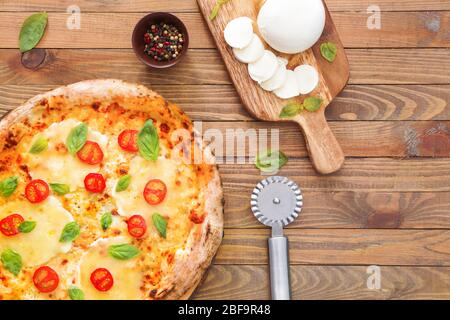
point(101, 196)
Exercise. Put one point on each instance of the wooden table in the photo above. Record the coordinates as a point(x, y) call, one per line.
point(390, 204)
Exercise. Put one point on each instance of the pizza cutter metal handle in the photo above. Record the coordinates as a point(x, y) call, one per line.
point(279, 268)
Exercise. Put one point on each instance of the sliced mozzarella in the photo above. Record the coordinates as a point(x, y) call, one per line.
point(289, 88)
point(307, 78)
point(239, 32)
point(278, 78)
point(264, 68)
point(250, 53)
point(126, 275)
point(55, 164)
point(284, 60)
point(42, 243)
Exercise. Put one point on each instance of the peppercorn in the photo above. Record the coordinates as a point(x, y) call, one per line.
point(163, 42)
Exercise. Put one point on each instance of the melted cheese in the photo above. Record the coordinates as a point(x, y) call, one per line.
point(41, 244)
point(55, 164)
point(127, 277)
point(132, 201)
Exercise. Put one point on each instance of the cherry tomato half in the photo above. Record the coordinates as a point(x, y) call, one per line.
point(102, 279)
point(136, 226)
point(91, 153)
point(128, 140)
point(37, 191)
point(9, 226)
point(45, 279)
point(94, 182)
point(155, 191)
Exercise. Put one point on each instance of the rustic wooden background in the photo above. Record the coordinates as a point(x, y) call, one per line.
point(389, 205)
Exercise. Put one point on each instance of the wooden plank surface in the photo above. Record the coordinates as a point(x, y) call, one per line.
point(341, 247)
point(406, 29)
point(191, 5)
point(327, 282)
point(390, 204)
point(368, 66)
point(366, 174)
point(221, 103)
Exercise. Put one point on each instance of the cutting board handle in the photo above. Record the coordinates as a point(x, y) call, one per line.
point(324, 150)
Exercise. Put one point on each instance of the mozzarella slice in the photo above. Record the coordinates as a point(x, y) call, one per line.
point(307, 78)
point(127, 277)
point(278, 78)
point(55, 164)
point(239, 32)
point(289, 88)
point(264, 68)
point(42, 243)
point(250, 53)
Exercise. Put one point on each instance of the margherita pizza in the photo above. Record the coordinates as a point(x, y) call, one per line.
point(100, 197)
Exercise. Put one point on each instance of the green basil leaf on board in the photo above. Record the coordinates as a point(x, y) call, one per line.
point(76, 293)
point(27, 226)
point(216, 8)
point(270, 161)
point(328, 51)
point(106, 220)
point(70, 232)
point(32, 30)
point(8, 186)
point(12, 261)
point(123, 251)
point(77, 138)
point(312, 104)
point(291, 110)
point(160, 224)
point(39, 145)
point(60, 188)
point(123, 183)
point(148, 141)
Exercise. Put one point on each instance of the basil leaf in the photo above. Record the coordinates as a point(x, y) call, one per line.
point(12, 261)
point(312, 104)
point(32, 31)
point(123, 251)
point(160, 224)
point(106, 220)
point(291, 110)
point(76, 293)
point(8, 186)
point(123, 183)
point(148, 141)
point(270, 161)
point(27, 226)
point(328, 51)
point(60, 188)
point(77, 138)
point(39, 145)
point(216, 9)
point(70, 232)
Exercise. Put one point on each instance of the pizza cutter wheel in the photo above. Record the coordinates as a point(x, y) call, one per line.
point(276, 202)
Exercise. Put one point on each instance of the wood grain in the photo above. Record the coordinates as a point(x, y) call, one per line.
point(351, 210)
point(190, 5)
point(341, 247)
point(367, 174)
point(327, 282)
point(221, 102)
point(368, 66)
point(405, 29)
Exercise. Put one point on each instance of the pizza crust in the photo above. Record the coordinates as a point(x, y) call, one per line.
point(192, 262)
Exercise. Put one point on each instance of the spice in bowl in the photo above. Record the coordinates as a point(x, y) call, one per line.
point(163, 42)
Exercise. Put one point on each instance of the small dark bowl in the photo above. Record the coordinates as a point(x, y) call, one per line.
point(141, 28)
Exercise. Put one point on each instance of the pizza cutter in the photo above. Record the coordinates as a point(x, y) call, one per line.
point(276, 202)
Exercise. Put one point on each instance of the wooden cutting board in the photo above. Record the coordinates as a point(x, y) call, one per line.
point(325, 152)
